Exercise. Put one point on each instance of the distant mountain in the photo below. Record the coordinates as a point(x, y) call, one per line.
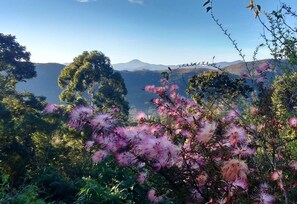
point(226, 64)
point(46, 82)
point(139, 65)
point(240, 68)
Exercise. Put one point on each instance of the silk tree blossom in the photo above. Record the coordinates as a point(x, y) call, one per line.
point(206, 132)
point(265, 198)
point(159, 150)
point(293, 122)
point(243, 151)
point(150, 88)
point(232, 115)
point(173, 88)
point(107, 142)
point(242, 183)
point(89, 144)
point(234, 169)
point(195, 161)
point(79, 117)
point(99, 156)
point(276, 175)
point(102, 121)
point(140, 116)
point(235, 135)
point(141, 177)
point(157, 101)
point(125, 158)
point(160, 90)
point(180, 147)
point(152, 196)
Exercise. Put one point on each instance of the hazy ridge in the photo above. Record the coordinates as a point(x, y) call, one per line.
point(45, 84)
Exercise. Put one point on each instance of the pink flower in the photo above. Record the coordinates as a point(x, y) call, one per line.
point(150, 88)
point(173, 88)
point(206, 132)
point(242, 183)
point(102, 121)
point(160, 90)
point(276, 175)
point(293, 122)
point(99, 156)
point(233, 114)
point(141, 177)
point(140, 116)
point(236, 135)
point(234, 169)
point(79, 117)
point(244, 152)
point(156, 101)
point(89, 144)
point(266, 198)
point(125, 158)
point(151, 195)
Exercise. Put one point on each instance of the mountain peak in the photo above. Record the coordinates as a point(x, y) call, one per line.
point(135, 61)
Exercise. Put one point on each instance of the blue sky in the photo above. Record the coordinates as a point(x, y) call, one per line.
point(154, 31)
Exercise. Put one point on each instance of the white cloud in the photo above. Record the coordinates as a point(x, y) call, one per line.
point(85, 1)
point(136, 1)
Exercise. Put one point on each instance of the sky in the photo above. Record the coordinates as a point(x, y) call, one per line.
point(166, 32)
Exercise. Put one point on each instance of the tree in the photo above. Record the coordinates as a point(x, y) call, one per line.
point(216, 87)
point(20, 113)
point(14, 59)
point(90, 79)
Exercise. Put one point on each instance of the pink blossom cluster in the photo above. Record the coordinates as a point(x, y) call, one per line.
point(131, 145)
point(214, 156)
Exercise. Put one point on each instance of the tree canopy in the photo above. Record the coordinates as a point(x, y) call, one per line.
point(14, 59)
point(90, 79)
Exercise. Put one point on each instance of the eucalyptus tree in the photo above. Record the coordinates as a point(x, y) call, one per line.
point(90, 79)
